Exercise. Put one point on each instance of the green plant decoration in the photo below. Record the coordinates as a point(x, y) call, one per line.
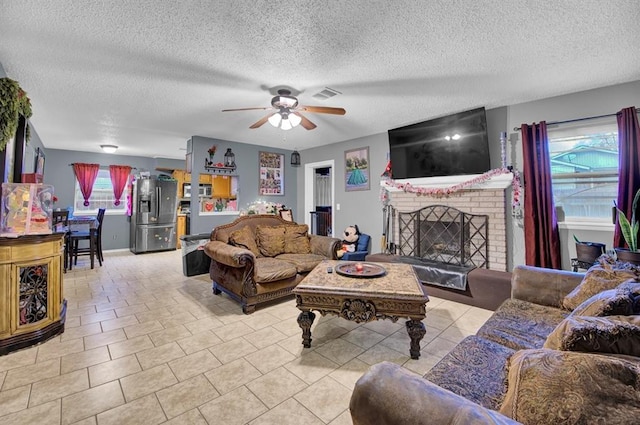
point(13, 103)
point(628, 228)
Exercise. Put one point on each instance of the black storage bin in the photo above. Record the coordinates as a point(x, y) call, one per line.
point(194, 259)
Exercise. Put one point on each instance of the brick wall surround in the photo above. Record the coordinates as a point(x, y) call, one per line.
point(491, 202)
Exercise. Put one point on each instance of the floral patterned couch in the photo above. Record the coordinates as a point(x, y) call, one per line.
point(259, 258)
point(564, 349)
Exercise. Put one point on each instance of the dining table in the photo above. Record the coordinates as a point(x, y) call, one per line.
point(82, 223)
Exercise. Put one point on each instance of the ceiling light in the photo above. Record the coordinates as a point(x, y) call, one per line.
point(286, 125)
point(447, 138)
point(275, 119)
point(109, 148)
point(456, 136)
point(294, 120)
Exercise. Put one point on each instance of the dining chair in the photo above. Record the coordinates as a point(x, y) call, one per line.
point(94, 236)
point(60, 223)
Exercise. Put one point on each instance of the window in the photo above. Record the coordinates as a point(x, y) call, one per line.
point(584, 167)
point(101, 197)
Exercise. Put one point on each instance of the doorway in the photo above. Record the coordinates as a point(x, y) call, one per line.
point(313, 210)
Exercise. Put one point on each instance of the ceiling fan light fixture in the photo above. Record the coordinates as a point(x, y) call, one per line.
point(286, 125)
point(295, 120)
point(275, 120)
point(109, 148)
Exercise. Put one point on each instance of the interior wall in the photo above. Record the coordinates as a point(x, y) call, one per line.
point(247, 170)
point(59, 173)
point(600, 101)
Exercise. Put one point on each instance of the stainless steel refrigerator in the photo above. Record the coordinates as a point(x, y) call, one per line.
point(153, 215)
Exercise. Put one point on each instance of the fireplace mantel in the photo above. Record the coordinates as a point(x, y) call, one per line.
point(501, 181)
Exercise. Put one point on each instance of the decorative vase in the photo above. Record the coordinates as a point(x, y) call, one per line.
point(627, 256)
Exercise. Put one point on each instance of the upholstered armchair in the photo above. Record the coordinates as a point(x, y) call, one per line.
point(362, 249)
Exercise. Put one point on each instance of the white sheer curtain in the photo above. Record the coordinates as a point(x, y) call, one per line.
point(323, 190)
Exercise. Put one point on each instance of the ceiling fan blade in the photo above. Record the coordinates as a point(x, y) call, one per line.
point(261, 121)
point(247, 109)
point(322, 110)
point(305, 122)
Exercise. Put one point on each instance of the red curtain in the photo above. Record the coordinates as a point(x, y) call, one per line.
point(119, 177)
point(628, 165)
point(86, 175)
point(541, 237)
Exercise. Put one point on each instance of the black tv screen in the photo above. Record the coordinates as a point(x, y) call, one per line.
point(447, 146)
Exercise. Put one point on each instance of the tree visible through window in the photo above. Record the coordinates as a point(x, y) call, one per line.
point(584, 167)
point(101, 197)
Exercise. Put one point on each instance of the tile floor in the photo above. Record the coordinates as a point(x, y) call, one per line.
point(146, 345)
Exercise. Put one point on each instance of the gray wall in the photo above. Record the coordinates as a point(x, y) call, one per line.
point(248, 174)
point(59, 173)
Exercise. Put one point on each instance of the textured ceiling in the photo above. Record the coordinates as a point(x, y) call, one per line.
point(148, 74)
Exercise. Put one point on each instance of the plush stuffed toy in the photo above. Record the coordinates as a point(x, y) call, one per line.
point(350, 241)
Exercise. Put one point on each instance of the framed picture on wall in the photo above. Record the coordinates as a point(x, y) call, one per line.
point(40, 161)
point(271, 174)
point(356, 169)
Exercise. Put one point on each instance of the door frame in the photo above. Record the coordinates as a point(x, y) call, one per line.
point(309, 190)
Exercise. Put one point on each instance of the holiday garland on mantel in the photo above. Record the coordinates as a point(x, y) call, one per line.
point(13, 103)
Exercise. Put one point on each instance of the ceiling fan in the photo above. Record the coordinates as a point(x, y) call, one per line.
point(287, 112)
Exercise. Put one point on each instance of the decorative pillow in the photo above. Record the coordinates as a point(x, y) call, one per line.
point(607, 274)
point(564, 387)
point(296, 240)
point(611, 334)
point(244, 238)
point(618, 301)
point(270, 240)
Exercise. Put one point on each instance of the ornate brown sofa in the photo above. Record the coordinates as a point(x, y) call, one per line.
point(260, 258)
point(562, 349)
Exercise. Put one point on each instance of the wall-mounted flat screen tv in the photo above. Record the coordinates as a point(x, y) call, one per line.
point(452, 145)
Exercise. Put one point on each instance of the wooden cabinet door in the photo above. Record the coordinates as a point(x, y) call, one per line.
point(181, 229)
point(221, 186)
point(205, 179)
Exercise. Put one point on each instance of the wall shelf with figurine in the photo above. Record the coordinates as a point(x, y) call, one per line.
point(218, 168)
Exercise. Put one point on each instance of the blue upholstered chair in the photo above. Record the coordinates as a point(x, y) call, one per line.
point(362, 249)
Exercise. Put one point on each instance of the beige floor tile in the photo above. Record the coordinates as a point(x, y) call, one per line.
point(233, 331)
point(194, 364)
point(234, 408)
point(54, 349)
point(131, 310)
point(199, 341)
point(81, 331)
point(111, 306)
point(343, 419)
point(147, 382)
point(452, 309)
point(260, 319)
point(340, 351)
point(72, 322)
point(84, 359)
point(455, 334)
point(326, 398)
point(349, 373)
point(269, 358)
point(18, 359)
point(80, 311)
point(44, 414)
point(2, 376)
point(159, 355)
point(177, 319)
point(232, 350)
point(276, 386)
point(91, 420)
point(119, 323)
point(311, 367)
point(91, 402)
point(97, 317)
point(114, 369)
point(186, 395)
point(438, 319)
point(145, 410)
point(144, 328)
point(293, 344)
point(363, 337)
point(288, 413)
point(14, 400)
point(104, 338)
point(423, 364)
point(232, 375)
point(439, 347)
point(152, 315)
point(202, 325)
point(401, 342)
point(33, 373)
point(265, 337)
point(59, 386)
point(130, 346)
point(288, 326)
point(380, 353)
point(192, 417)
point(384, 327)
point(169, 335)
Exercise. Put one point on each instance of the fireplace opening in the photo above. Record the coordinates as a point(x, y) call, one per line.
point(444, 234)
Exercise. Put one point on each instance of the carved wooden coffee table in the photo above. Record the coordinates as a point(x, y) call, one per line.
point(396, 294)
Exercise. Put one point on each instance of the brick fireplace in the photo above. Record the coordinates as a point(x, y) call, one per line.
point(489, 198)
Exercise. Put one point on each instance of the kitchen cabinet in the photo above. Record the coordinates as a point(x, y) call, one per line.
point(205, 179)
point(221, 186)
point(181, 229)
point(179, 176)
point(32, 307)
